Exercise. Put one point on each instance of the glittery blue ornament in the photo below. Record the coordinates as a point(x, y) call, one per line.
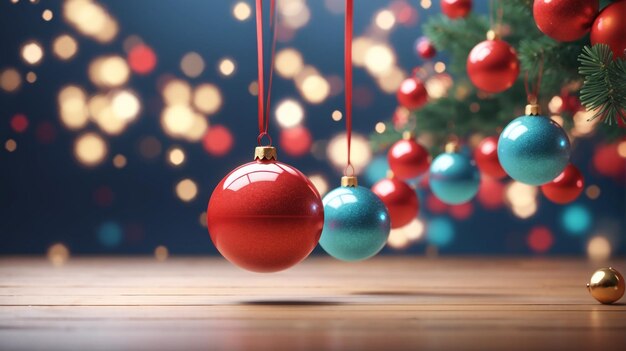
point(356, 223)
point(454, 178)
point(533, 149)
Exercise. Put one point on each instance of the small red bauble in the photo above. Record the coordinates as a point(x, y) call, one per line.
point(565, 20)
point(566, 187)
point(407, 158)
point(412, 93)
point(486, 157)
point(400, 200)
point(492, 66)
point(456, 8)
point(610, 28)
point(265, 216)
point(425, 48)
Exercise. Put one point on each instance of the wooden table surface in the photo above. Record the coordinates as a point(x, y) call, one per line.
point(392, 303)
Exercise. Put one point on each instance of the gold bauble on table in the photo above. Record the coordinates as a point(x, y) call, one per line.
point(606, 285)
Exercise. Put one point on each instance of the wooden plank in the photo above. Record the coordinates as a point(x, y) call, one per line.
point(390, 303)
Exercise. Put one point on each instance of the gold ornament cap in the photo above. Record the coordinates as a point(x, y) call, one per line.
point(533, 109)
point(452, 147)
point(265, 153)
point(349, 181)
point(492, 35)
point(606, 285)
point(408, 135)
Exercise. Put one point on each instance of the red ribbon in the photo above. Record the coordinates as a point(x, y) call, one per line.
point(264, 108)
point(348, 77)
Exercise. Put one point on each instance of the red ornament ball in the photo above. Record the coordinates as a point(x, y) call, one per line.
point(456, 8)
point(566, 187)
point(486, 157)
point(610, 28)
point(565, 20)
point(142, 59)
point(425, 48)
point(491, 193)
point(399, 198)
point(492, 66)
point(408, 159)
point(412, 93)
point(265, 216)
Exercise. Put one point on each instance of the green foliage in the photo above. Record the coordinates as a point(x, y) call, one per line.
point(466, 110)
point(604, 90)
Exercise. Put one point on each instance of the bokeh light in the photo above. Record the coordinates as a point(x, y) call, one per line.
point(320, 183)
point(296, 141)
point(440, 231)
point(10, 145)
point(186, 190)
point(540, 239)
point(576, 219)
point(58, 254)
point(385, 19)
point(176, 92)
point(360, 156)
point(227, 67)
point(19, 123)
point(176, 156)
point(10, 80)
point(207, 98)
point(415, 230)
point(242, 11)
point(32, 52)
point(161, 253)
point(73, 109)
point(599, 248)
point(125, 104)
point(522, 198)
point(288, 62)
point(64, 47)
point(289, 113)
point(110, 234)
point(218, 140)
point(192, 64)
point(90, 19)
point(109, 71)
point(142, 59)
point(90, 149)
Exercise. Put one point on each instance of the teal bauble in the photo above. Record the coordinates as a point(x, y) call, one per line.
point(454, 178)
point(356, 223)
point(533, 149)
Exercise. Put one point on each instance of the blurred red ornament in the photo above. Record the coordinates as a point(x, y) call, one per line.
point(399, 198)
point(142, 59)
point(407, 158)
point(608, 162)
point(296, 141)
point(425, 48)
point(45, 132)
point(486, 157)
point(610, 28)
point(565, 20)
point(566, 187)
point(412, 93)
point(540, 239)
point(491, 193)
point(456, 8)
point(570, 103)
point(492, 66)
point(400, 117)
point(462, 211)
point(265, 216)
point(218, 140)
point(19, 123)
point(434, 205)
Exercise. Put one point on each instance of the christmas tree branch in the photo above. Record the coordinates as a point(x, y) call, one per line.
point(604, 89)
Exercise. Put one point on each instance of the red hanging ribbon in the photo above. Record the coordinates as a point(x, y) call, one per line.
point(264, 106)
point(348, 78)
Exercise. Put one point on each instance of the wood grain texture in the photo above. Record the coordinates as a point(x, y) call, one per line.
point(392, 303)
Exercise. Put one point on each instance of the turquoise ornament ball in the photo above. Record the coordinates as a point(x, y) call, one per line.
point(454, 178)
point(356, 223)
point(533, 149)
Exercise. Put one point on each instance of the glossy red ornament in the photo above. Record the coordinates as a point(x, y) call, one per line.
point(610, 28)
point(565, 20)
point(456, 8)
point(425, 48)
point(412, 93)
point(265, 216)
point(566, 187)
point(492, 66)
point(399, 198)
point(407, 158)
point(486, 157)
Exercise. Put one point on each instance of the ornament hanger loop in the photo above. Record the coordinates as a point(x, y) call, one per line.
point(259, 139)
point(349, 170)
